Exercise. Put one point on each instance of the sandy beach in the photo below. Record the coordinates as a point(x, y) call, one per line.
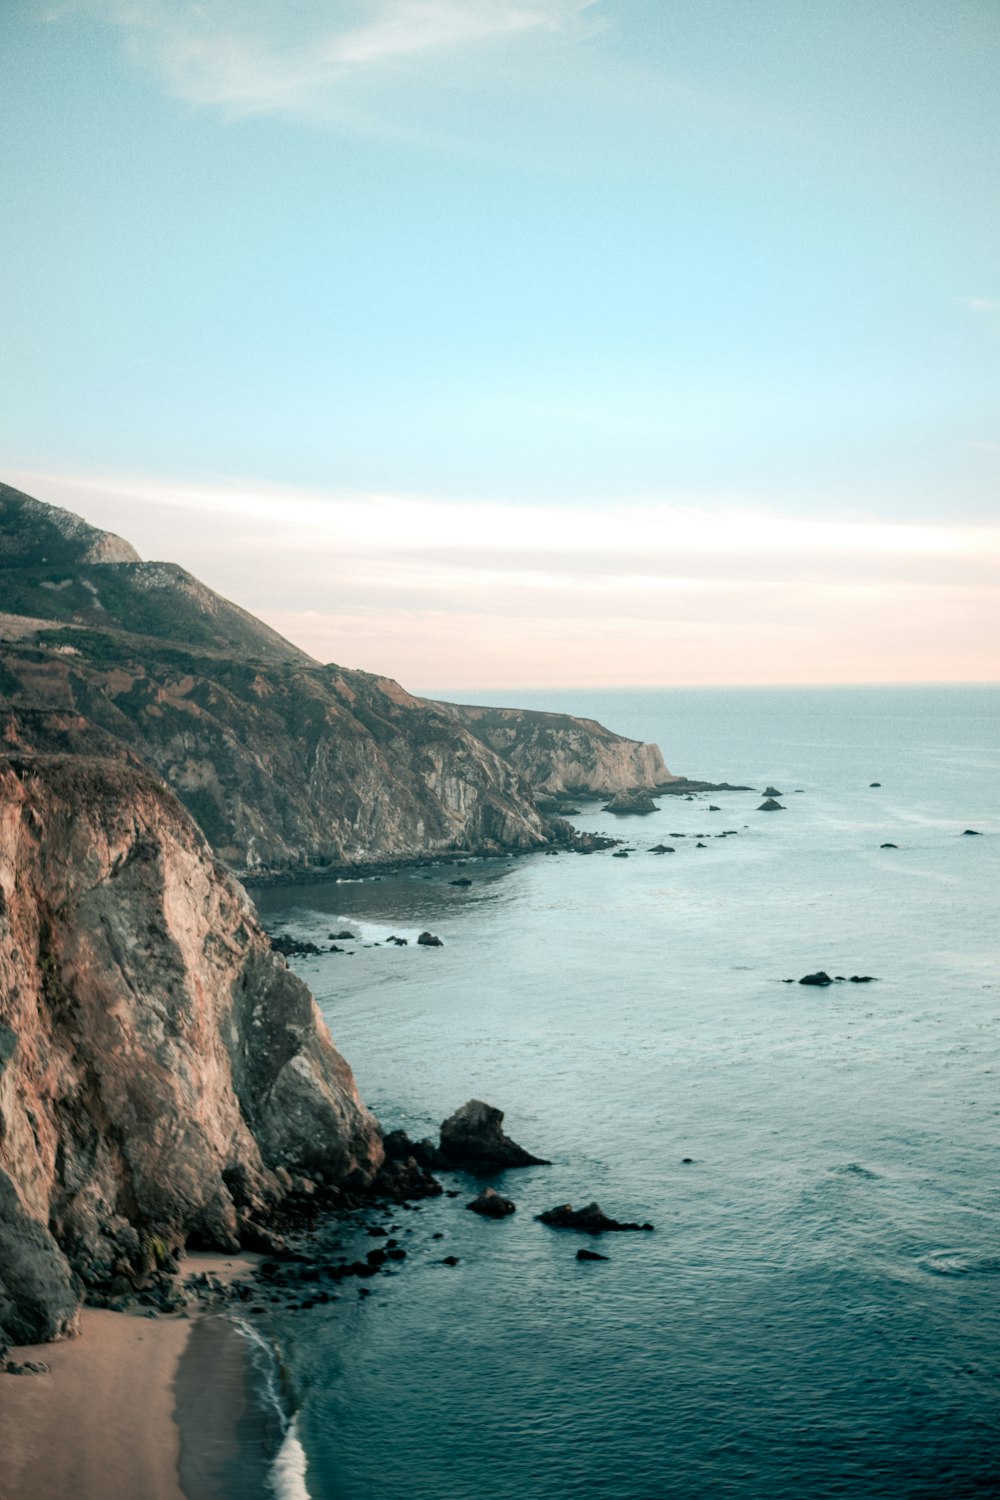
point(103, 1423)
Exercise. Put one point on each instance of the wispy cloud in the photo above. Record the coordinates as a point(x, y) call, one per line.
point(982, 304)
point(267, 56)
point(439, 593)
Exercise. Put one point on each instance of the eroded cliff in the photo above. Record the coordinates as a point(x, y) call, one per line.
point(161, 1070)
point(561, 755)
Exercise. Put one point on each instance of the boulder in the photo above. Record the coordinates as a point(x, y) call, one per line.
point(663, 848)
point(589, 1255)
point(971, 833)
point(472, 1138)
point(428, 940)
point(491, 1205)
point(591, 1220)
point(462, 880)
point(888, 846)
point(820, 978)
point(770, 805)
point(771, 791)
point(634, 801)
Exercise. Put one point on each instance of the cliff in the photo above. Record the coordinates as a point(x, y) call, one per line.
point(161, 1071)
point(561, 755)
point(285, 764)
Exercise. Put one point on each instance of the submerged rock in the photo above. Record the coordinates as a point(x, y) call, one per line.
point(472, 1138)
point(663, 848)
point(591, 1220)
point(590, 1255)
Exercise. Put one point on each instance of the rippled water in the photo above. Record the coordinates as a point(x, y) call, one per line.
point(817, 1313)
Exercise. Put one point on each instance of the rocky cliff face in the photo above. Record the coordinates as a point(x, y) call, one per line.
point(564, 756)
point(284, 763)
point(161, 1071)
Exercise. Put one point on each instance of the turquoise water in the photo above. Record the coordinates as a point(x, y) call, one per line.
point(817, 1313)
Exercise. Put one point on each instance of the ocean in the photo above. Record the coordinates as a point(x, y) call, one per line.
point(817, 1312)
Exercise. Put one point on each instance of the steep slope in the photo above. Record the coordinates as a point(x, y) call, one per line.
point(564, 756)
point(286, 764)
point(161, 1071)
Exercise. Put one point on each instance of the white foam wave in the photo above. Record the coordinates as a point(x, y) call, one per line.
point(288, 1472)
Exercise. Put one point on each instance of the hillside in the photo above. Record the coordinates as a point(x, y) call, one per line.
point(286, 764)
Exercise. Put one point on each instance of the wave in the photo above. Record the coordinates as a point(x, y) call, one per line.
point(960, 1263)
point(288, 1471)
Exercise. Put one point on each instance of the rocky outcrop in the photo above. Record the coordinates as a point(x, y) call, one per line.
point(631, 802)
point(473, 1138)
point(162, 1073)
point(560, 755)
point(591, 1220)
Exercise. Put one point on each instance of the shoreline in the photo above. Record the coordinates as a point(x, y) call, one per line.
point(164, 1407)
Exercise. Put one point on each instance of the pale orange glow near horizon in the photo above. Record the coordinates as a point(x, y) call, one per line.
point(450, 597)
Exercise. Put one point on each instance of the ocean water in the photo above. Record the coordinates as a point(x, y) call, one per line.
point(817, 1313)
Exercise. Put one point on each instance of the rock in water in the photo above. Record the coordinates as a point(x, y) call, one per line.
point(820, 978)
point(771, 806)
point(428, 940)
point(472, 1138)
point(635, 801)
point(591, 1220)
point(772, 791)
point(491, 1205)
point(589, 1255)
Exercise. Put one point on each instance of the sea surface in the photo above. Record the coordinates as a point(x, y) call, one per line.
point(818, 1311)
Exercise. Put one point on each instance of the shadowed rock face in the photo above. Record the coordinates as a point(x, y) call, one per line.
point(159, 1065)
point(473, 1138)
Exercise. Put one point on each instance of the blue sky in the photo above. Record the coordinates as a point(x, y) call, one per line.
point(487, 264)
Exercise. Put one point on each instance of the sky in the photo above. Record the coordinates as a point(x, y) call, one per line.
point(523, 343)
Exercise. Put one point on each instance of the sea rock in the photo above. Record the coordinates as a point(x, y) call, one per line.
point(771, 791)
point(634, 801)
point(472, 1138)
point(591, 1219)
point(874, 783)
point(169, 1071)
point(820, 978)
point(428, 940)
point(620, 854)
point(590, 1255)
point(971, 833)
point(863, 979)
point(491, 1205)
point(291, 947)
point(888, 846)
point(770, 805)
point(462, 880)
point(663, 849)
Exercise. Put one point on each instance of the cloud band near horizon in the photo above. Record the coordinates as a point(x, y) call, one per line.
point(450, 596)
